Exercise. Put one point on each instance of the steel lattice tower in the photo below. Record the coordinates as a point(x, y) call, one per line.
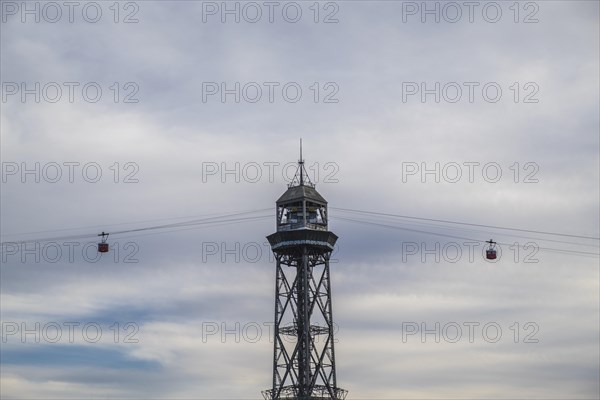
point(304, 357)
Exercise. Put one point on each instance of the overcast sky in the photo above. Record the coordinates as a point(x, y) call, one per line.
point(187, 112)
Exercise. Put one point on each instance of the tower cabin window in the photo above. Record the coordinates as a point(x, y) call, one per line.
point(296, 216)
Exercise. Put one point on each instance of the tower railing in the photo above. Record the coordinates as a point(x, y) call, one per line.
point(299, 225)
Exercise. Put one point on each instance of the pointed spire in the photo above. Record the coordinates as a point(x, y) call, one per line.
point(301, 164)
point(301, 177)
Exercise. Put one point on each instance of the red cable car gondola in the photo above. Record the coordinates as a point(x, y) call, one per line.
point(103, 246)
point(490, 253)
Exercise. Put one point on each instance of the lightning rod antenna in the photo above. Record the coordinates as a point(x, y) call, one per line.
point(301, 162)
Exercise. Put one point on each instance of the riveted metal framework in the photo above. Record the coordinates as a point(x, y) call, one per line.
point(304, 356)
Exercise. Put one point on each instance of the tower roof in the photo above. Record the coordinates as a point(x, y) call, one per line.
point(301, 192)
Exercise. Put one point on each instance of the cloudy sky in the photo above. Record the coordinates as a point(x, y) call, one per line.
point(118, 116)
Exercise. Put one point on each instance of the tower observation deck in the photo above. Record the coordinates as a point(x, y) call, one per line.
point(304, 356)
